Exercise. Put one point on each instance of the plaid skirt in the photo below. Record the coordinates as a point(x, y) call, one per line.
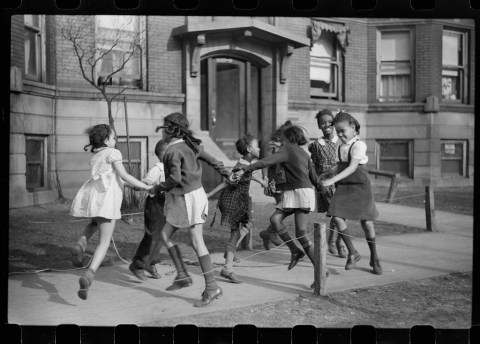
point(186, 210)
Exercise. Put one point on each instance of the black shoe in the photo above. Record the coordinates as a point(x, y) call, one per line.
point(208, 297)
point(332, 248)
point(266, 241)
point(77, 255)
point(295, 258)
point(180, 282)
point(352, 260)
point(139, 273)
point(230, 276)
point(377, 268)
point(152, 270)
point(342, 251)
point(84, 285)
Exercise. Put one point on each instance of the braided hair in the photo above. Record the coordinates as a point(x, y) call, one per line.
point(178, 126)
point(97, 135)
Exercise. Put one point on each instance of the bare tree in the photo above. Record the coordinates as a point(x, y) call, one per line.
point(104, 54)
point(108, 51)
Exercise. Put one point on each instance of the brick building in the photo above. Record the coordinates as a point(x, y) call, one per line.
point(410, 83)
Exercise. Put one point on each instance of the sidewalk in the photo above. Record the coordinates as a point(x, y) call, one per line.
point(117, 297)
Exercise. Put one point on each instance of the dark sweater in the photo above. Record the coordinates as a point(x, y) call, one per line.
point(183, 170)
point(296, 168)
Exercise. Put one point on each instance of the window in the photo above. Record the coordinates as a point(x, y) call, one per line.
point(36, 159)
point(454, 158)
point(33, 47)
point(395, 79)
point(326, 67)
point(138, 155)
point(454, 61)
point(119, 50)
point(395, 156)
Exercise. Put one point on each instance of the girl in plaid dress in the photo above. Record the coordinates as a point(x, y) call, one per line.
point(186, 204)
point(324, 156)
point(234, 202)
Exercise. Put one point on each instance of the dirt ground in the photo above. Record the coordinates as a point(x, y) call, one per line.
point(40, 238)
point(443, 302)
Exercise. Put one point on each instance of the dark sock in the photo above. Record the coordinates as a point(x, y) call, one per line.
point(331, 235)
point(346, 237)
point(283, 234)
point(373, 248)
point(206, 265)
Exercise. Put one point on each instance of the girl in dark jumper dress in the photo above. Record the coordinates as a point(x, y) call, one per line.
point(353, 198)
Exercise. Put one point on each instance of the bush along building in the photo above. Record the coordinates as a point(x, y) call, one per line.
point(410, 83)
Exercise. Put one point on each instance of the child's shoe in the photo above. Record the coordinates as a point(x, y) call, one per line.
point(85, 282)
point(295, 258)
point(332, 248)
point(181, 281)
point(77, 253)
point(139, 273)
point(342, 250)
point(208, 297)
point(352, 260)
point(377, 268)
point(230, 276)
point(266, 240)
point(152, 270)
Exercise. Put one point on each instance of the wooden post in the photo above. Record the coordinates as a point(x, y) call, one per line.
point(320, 253)
point(247, 242)
point(393, 187)
point(430, 209)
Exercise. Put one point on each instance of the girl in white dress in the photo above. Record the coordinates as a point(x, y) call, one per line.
point(100, 198)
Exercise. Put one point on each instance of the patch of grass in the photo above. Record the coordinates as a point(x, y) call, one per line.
point(452, 199)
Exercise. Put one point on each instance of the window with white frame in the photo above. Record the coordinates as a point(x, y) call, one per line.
point(36, 162)
point(454, 62)
point(395, 156)
point(118, 40)
point(395, 66)
point(454, 158)
point(33, 47)
point(138, 155)
point(326, 67)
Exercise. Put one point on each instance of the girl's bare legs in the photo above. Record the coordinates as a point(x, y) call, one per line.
point(81, 245)
point(166, 234)
point(212, 290)
point(227, 270)
point(345, 233)
point(106, 227)
point(369, 231)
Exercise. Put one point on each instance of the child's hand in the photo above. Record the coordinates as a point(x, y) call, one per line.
point(239, 174)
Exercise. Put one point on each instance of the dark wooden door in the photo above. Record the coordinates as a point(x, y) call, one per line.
point(230, 101)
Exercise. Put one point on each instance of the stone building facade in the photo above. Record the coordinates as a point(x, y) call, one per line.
point(409, 82)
